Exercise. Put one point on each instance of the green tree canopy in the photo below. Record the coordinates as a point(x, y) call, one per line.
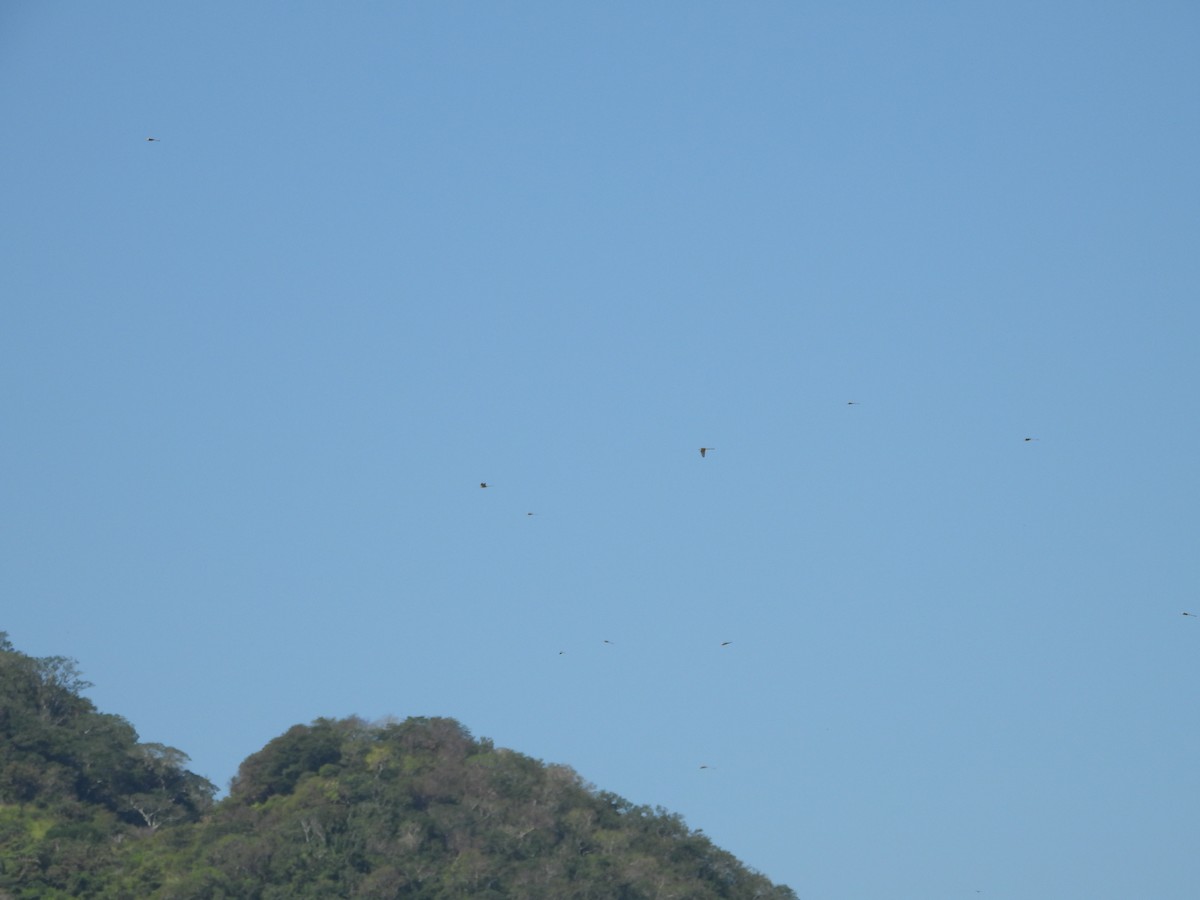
point(337, 808)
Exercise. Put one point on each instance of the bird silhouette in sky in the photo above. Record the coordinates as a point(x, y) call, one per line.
point(155, 140)
point(1193, 615)
point(610, 643)
point(1028, 440)
point(704, 451)
point(483, 484)
point(852, 403)
point(726, 643)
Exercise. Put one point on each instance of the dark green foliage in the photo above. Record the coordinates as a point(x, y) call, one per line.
point(339, 808)
point(301, 750)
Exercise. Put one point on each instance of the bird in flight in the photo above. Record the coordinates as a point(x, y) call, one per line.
point(704, 451)
point(155, 140)
point(852, 403)
point(610, 643)
point(1193, 615)
point(1027, 440)
point(726, 643)
point(483, 484)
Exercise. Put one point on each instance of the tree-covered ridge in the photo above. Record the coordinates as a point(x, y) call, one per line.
point(339, 808)
point(75, 782)
point(421, 809)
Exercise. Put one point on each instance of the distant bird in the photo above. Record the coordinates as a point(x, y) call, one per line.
point(529, 514)
point(610, 643)
point(704, 451)
point(726, 643)
point(852, 403)
point(155, 140)
point(706, 767)
point(1027, 440)
point(1193, 615)
point(483, 484)
point(562, 652)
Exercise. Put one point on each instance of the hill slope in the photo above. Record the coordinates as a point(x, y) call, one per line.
point(338, 808)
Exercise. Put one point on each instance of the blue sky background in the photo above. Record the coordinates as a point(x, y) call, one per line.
point(253, 374)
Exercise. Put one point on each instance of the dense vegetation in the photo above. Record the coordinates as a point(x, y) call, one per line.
point(339, 808)
point(76, 783)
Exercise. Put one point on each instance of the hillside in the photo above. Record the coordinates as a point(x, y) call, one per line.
point(338, 808)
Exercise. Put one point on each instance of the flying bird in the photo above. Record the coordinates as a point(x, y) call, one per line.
point(155, 140)
point(1193, 615)
point(610, 643)
point(704, 451)
point(852, 403)
point(726, 643)
point(1027, 440)
point(483, 484)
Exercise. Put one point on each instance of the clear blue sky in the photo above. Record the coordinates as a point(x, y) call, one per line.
point(253, 374)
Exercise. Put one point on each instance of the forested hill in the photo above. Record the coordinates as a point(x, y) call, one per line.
point(338, 808)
